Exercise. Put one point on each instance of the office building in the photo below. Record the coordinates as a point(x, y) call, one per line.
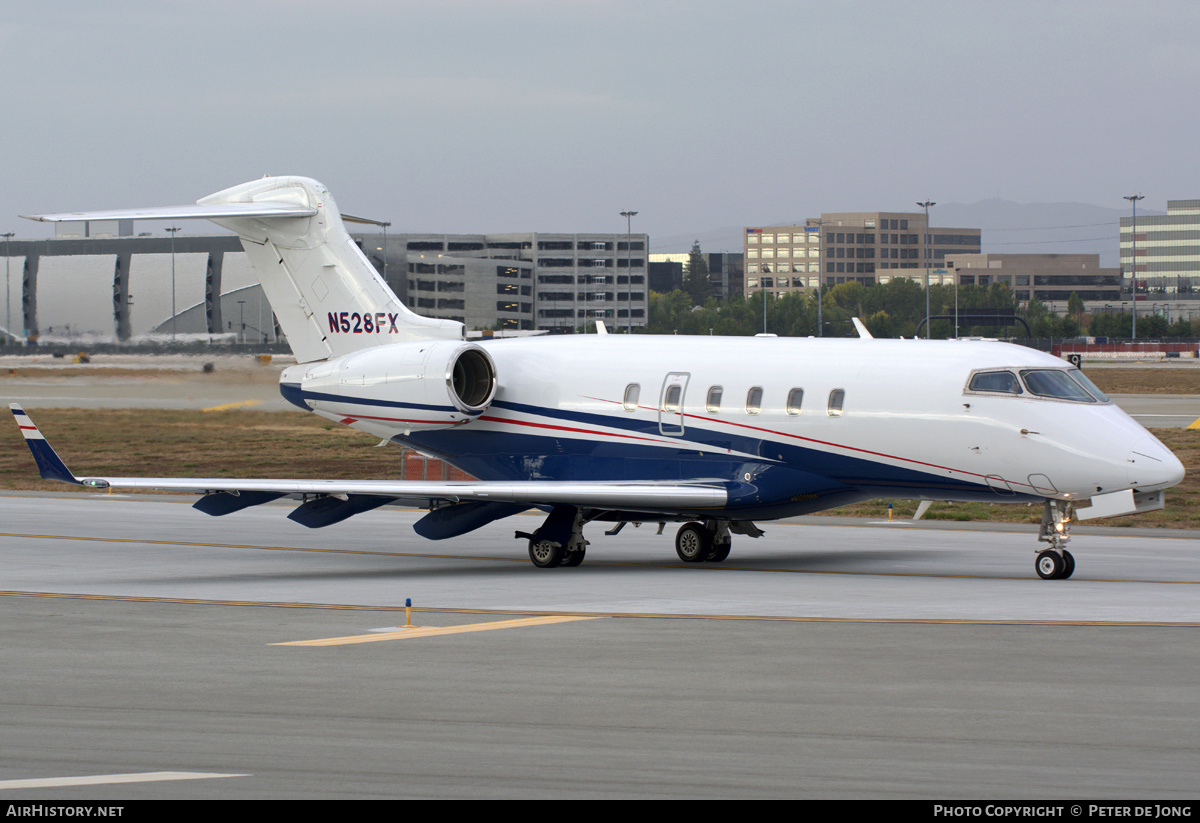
point(517, 281)
point(1051, 278)
point(841, 247)
point(1168, 252)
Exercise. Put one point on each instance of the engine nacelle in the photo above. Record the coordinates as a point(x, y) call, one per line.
point(431, 384)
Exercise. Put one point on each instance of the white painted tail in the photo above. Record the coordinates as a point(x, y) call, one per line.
point(327, 296)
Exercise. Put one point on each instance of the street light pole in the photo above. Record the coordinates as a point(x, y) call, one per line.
point(629, 215)
point(925, 246)
point(385, 225)
point(172, 230)
point(1133, 198)
point(820, 262)
point(8, 236)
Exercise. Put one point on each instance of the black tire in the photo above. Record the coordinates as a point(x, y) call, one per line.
point(1049, 565)
point(545, 554)
point(719, 551)
point(693, 543)
point(572, 559)
point(1068, 565)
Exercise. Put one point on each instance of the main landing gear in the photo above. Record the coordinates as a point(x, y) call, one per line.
point(559, 541)
point(1056, 563)
point(701, 542)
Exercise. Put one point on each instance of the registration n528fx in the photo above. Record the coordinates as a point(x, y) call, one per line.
point(716, 433)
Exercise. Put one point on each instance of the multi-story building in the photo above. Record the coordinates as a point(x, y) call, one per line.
point(1051, 278)
point(840, 247)
point(514, 281)
point(517, 281)
point(781, 259)
point(1168, 252)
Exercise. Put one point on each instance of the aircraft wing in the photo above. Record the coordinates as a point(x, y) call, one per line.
point(456, 504)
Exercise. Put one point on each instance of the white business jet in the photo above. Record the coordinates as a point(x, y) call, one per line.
point(713, 432)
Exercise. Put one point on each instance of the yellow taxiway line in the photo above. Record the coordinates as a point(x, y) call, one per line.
point(226, 406)
point(560, 617)
point(430, 631)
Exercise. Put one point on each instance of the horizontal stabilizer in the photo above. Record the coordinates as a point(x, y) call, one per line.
point(187, 212)
point(318, 281)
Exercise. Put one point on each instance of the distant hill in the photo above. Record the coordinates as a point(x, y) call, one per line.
point(1016, 228)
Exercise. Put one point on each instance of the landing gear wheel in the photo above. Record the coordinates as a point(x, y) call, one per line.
point(1049, 565)
point(1068, 565)
point(693, 543)
point(571, 559)
point(719, 551)
point(545, 554)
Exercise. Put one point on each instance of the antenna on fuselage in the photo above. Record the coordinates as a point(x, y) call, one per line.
point(861, 329)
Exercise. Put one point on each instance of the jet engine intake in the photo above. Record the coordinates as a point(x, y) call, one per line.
point(421, 385)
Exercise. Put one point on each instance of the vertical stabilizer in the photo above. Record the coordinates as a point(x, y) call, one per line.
point(327, 296)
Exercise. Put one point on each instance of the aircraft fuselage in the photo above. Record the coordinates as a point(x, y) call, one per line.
point(876, 418)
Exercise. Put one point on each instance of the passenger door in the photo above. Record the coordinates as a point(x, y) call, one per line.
point(670, 404)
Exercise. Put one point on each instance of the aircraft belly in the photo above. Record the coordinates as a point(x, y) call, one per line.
point(786, 474)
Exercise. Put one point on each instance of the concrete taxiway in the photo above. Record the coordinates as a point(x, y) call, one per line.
point(864, 660)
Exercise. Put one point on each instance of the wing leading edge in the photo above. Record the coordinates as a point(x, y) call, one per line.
point(456, 504)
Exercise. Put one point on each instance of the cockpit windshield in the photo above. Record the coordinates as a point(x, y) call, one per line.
point(1055, 384)
point(1092, 388)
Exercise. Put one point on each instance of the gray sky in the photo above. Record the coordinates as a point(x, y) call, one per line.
point(554, 115)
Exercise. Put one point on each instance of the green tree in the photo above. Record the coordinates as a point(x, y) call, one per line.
point(1075, 306)
point(695, 275)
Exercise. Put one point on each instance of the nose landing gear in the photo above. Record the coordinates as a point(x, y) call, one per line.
point(1056, 563)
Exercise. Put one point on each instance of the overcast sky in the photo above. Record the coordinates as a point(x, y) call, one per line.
point(555, 115)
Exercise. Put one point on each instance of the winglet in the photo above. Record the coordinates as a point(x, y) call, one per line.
point(49, 463)
point(861, 328)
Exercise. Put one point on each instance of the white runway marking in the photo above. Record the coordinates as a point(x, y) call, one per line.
point(106, 779)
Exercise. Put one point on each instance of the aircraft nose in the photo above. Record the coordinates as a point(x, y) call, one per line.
point(1153, 466)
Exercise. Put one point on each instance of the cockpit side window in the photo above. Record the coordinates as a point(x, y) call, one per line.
point(998, 382)
point(1055, 384)
point(1092, 388)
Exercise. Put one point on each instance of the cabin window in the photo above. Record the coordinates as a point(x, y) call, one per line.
point(631, 396)
point(836, 398)
point(713, 403)
point(794, 400)
point(671, 398)
point(1001, 382)
point(1056, 384)
point(754, 400)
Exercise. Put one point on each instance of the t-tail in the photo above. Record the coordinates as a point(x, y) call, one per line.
point(327, 296)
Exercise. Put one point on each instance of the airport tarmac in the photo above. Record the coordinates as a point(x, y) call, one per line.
point(862, 660)
point(145, 382)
